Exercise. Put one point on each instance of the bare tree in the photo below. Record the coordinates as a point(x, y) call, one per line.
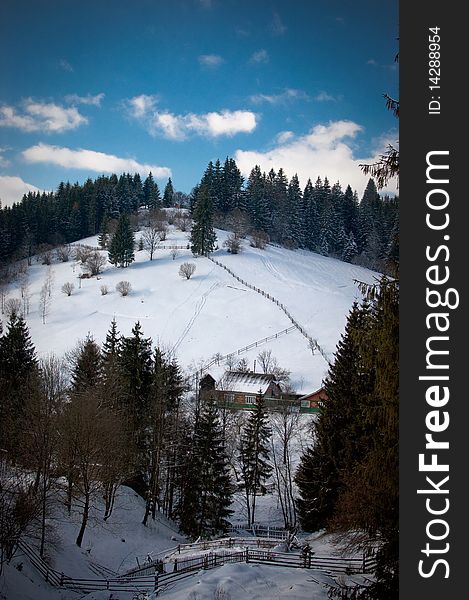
point(18, 507)
point(174, 253)
point(68, 288)
point(45, 398)
point(269, 364)
point(187, 270)
point(104, 290)
point(233, 243)
point(12, 307)
point(64, 253)
point(151, 240)
point(124, 288)
point(259, 239)
point(82, 253)
point(95, 263)
point(49, 282)
point(90, 432)
point(285, 424)
point(44, 302)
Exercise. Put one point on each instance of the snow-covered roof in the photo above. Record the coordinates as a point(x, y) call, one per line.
point(246, 382)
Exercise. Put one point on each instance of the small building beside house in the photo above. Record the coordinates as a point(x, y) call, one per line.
point(240, 390)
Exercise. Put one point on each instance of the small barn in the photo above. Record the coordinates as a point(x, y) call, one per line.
point(311, 401)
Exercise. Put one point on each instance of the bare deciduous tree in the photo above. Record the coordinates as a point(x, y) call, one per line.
point(68, 288)
point(233, 243)
point(12, 307)
point(174, 253)
point(187, 270)
point(259, 239)
point(64, 253)
point(44, 302)
point(124, 288)
point(151, 240)
point(95, 263)
point(104, 290)
point(82, 253)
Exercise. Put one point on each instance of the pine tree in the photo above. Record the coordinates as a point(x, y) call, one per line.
point(293, 235)
point(121, 247)
point(203, 236)
point(168, 194)
point(350, 248)
point(205, 507)
point(256, 200)
point(87, 366)
point(18, 364)
point(151, 193)
point(104, 234)
point(337, 430)
point(254, 456)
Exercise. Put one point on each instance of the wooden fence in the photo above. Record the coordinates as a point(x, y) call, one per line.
point(143, 580)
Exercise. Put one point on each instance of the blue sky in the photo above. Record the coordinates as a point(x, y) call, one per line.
point(103, 86)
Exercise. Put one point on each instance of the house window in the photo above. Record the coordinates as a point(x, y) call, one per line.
point(305, 404)
point(250, 399)
point(230, 397)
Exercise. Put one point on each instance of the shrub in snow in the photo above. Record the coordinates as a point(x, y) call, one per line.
point(82, 253)
point(95, 262)
point(259, 239)
point(104, 290)
point(68, 288)
point(174, 253)
point(64, 253)
point(187, 270)
point(232, 243)
point(124, 288)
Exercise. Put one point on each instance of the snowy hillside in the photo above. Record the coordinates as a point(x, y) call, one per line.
point(210, 313)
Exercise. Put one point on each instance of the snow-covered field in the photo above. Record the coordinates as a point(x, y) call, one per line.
point(210, 313)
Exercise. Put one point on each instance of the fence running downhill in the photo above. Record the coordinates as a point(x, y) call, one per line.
point(313, 343)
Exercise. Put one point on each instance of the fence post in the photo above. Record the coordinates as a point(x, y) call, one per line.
point(247, 554)
point(156, 583)
point(61, 579)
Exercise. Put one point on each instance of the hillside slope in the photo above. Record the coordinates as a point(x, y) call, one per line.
point(210, 313)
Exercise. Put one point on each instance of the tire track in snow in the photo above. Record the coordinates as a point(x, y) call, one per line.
point(198, 309)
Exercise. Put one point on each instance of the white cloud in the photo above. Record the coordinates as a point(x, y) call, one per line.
point(4, 162)
point(211, 60)
point(284, 136)
point(41, 116)
point(171, 126)
point(277, 27)
point(13, 188)
point(89, 160)
point(65, 65)
point(325, 97)
point(326, 151)
point(212, 124)
point(259, 57)
point(88, 99)
point(178, 127)
point(287, 95)
point(139, 107)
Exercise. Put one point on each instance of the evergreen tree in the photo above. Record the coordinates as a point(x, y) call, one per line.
point(203, 236)
point(103, 237)
point(135, 367)
point(121, 247)
point(87, 366)
point(151, 193)
point(254, 456)
point(168, 194)
point(18, 365)
point(293, 235)
point(336, 432)
point(350, 248)
point(256, 200)
point(205, 506)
